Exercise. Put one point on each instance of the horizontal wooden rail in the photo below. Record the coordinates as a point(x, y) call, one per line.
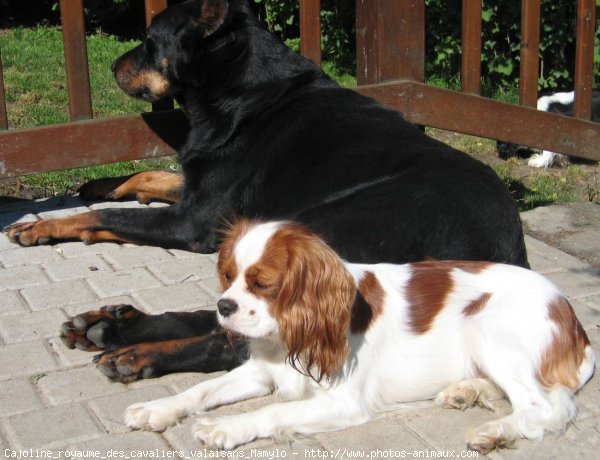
point(154, 134)
point(91, 142)
point(478, 116)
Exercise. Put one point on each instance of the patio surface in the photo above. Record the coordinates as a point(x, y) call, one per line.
point(53, 399)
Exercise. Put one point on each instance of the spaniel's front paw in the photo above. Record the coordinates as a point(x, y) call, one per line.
point(155, 415)
point(223, 432)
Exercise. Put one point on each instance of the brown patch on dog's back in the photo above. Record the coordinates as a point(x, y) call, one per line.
point(368, 304)
point(561, 360)
point(426, 292)
point(477, 305)
point(470, 266)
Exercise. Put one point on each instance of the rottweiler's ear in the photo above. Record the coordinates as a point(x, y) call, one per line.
point(212, 15)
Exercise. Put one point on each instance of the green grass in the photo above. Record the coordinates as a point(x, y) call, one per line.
point(343, 78)
point(34, 77)
point(68, 181)
point(547, 187)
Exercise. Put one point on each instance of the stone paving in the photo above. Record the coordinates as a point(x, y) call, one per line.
point(53, 399)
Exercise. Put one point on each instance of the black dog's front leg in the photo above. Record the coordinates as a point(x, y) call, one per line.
point(173, 227)
point(137, 345)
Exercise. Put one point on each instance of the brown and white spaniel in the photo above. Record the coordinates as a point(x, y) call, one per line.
point(340, 342)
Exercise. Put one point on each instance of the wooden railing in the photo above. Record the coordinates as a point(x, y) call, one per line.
point(390, 68)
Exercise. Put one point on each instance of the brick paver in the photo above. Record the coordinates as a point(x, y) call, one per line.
point(77, 268)
point(17, 396)
point(136, 256)
point(11, 302)
point(29, 256)
point(123, 282)
point(77, 384)
point(109, 409)
point(187, 269)
point(54, 398)
point(52, 427)
point(25, 359)
point(20, 277)
point(58, 294)
point(184, 296)
point(26, 327)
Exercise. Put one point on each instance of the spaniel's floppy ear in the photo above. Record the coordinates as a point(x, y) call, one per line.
point(212, 15)
point(230, 235)
point(314, 304)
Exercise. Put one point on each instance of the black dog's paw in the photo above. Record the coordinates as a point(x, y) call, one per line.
point(98, 329)
point(131, 363)
point(209, 353)
point(28, 233)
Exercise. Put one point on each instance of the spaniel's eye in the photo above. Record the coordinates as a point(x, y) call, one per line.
point(228, 277)
point(258, 285)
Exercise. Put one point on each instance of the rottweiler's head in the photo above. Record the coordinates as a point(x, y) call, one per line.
point(156, 68)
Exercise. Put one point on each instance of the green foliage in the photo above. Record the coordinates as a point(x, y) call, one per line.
point(101, 10)
point(543, 187)
point(337, 27)
point(501, 38)
point(280, 16)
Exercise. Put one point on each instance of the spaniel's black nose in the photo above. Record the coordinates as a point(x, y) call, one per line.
point(227, 307)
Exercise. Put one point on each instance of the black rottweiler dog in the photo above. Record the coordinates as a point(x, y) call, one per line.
point(273, 137)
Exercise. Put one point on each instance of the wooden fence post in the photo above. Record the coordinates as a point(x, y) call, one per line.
point(470, 69)
point(530, 48)
point(310, 30)
point(152, 8)
point(3, 113)
point(76, 61)
point(584, 58)
point(390, 40)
